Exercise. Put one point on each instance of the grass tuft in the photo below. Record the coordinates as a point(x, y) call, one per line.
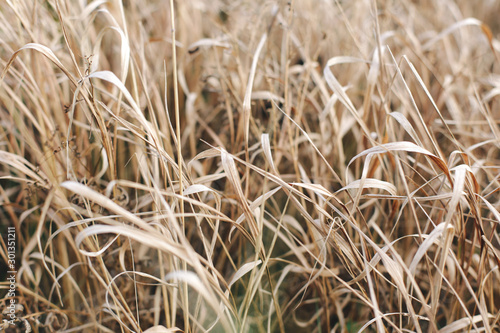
point(249, 166)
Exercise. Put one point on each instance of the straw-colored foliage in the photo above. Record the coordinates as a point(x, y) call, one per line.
point(284, 166)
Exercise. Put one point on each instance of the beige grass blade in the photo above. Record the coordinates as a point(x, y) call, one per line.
point(208, 42)
point(334, 84)
point(161, 329)
point(243, 270)
point(468, 21)
point(399, 146)
point(124, 51)
point(371, 183)
point(44, 50)
point(461, 324)
point(266, 147)
point(400, 118)
point(234, 179)
point(248, 92)
point(105, 202)
point(428, 242)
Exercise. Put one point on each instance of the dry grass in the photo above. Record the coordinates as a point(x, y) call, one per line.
point(302, 166)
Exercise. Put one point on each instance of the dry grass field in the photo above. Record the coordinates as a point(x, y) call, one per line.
point(283, 166)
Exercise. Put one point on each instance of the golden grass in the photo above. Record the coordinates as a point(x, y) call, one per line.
point(302, 166)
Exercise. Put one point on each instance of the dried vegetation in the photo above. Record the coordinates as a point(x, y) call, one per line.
point(302, 166)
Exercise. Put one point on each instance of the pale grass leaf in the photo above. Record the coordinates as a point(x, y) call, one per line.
point(266, 147)
point(401, 146)
point(316, 188)
point(256, 203)
point(267, 95)
point(400, 118)
point(463, 323)
point(334, 84)
point(243, 270)
point(197, 188)
point(458, 189)
point(371, 183)
point(43, 50)
point(124, 51)
point(248, 90)
point(208, 42)
point(162, 329)
point(450, 29)
point(426, 244)
point(105, 202)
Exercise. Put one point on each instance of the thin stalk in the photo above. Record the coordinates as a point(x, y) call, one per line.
point(179, 161)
